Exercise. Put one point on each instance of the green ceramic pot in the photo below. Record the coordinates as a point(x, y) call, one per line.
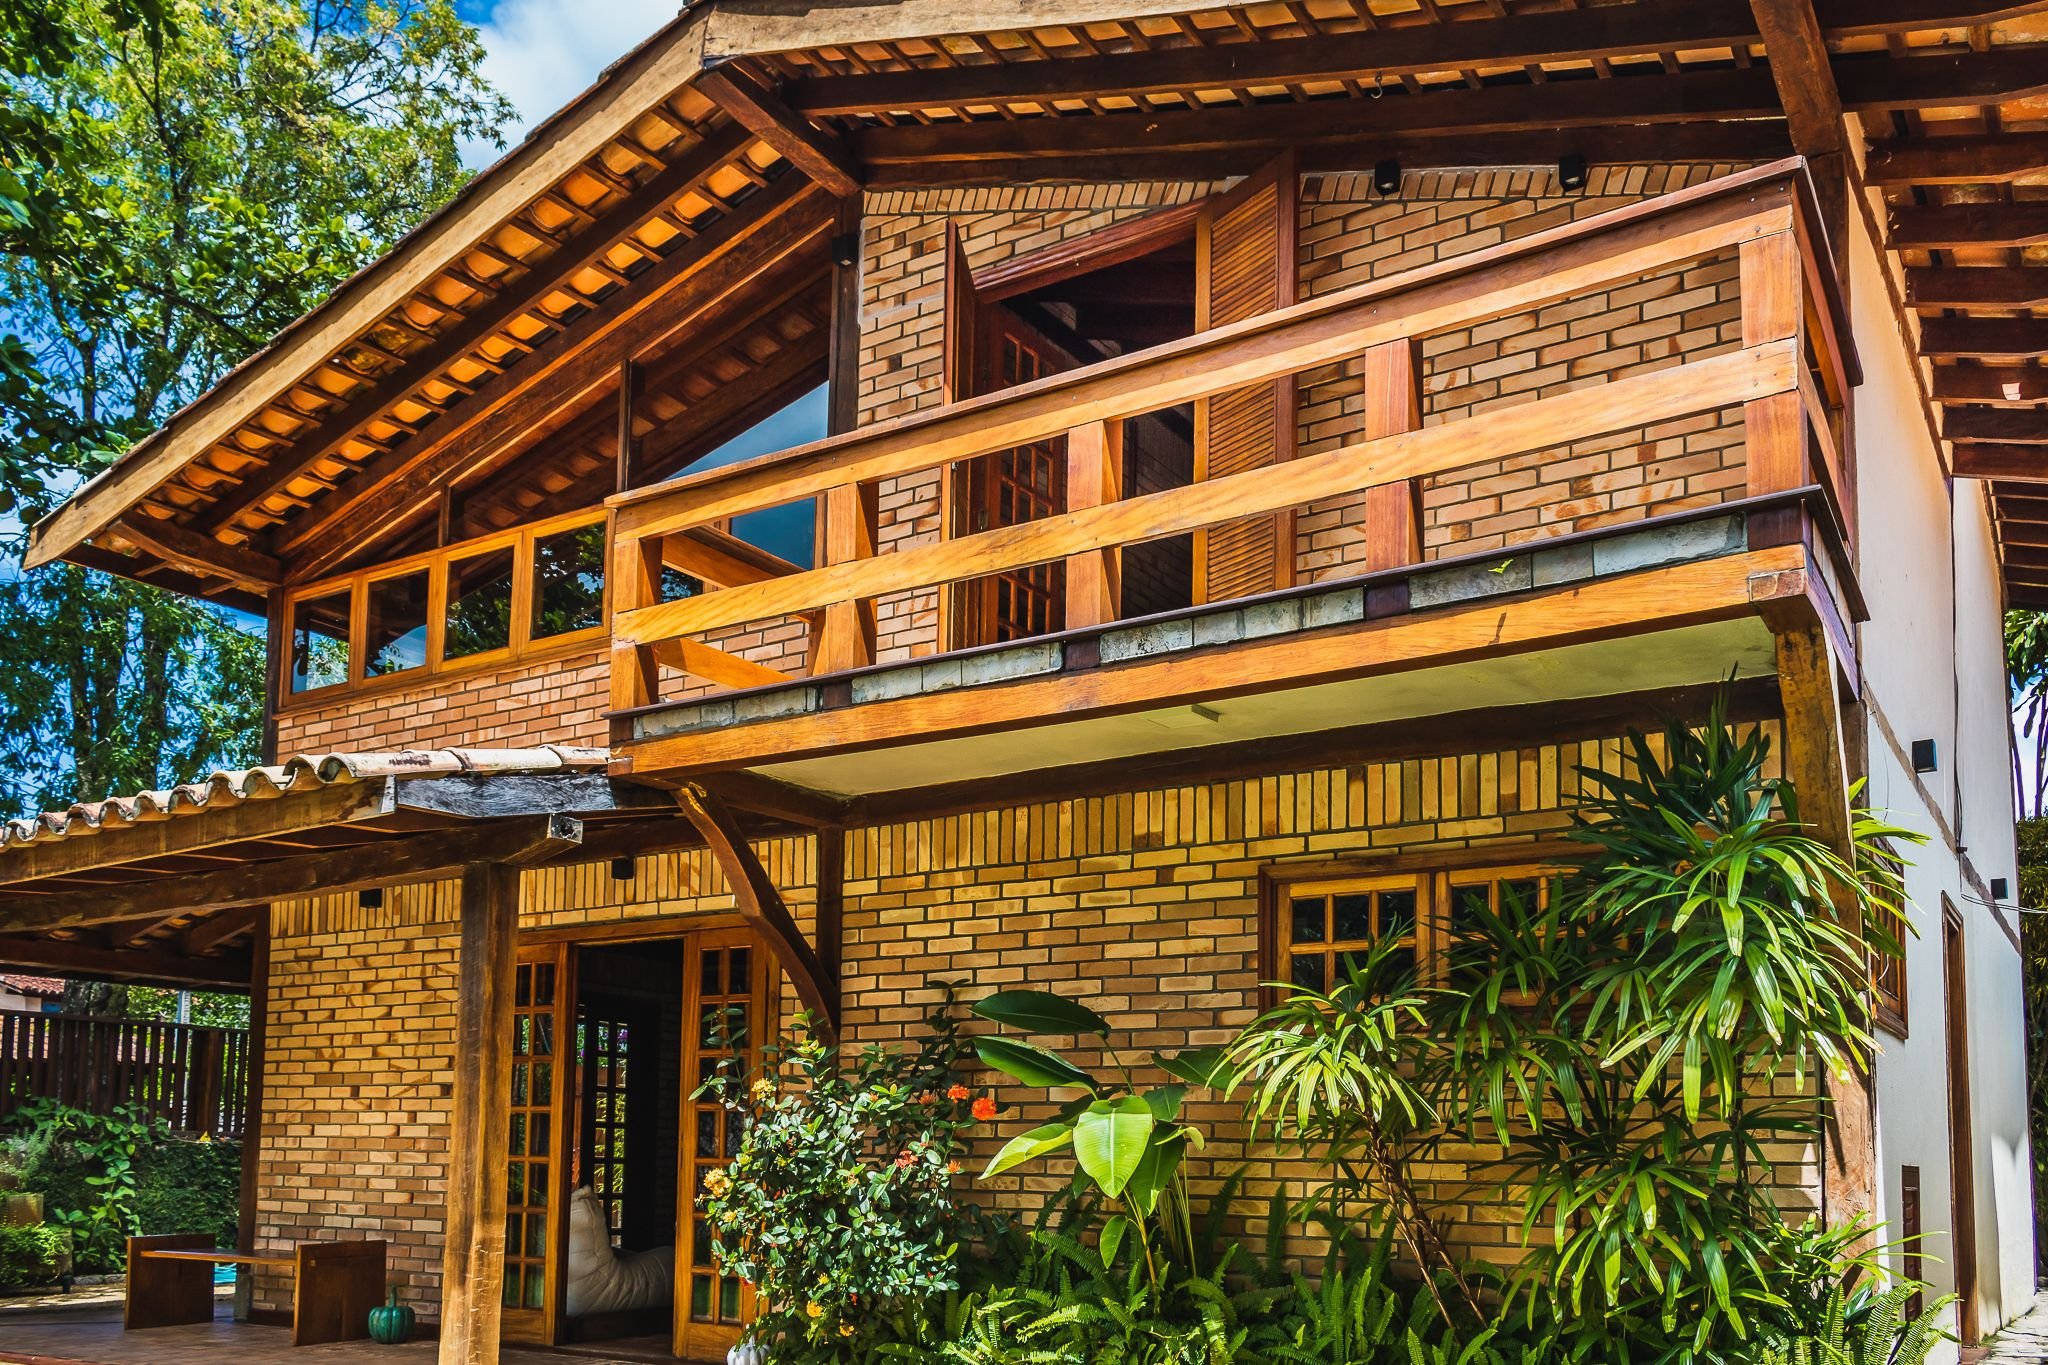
point(392, 1323)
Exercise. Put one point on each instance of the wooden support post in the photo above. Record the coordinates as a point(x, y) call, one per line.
point(831, 872)
point(252, 1108)
point(845, 631)
point(473, 1249)
point(1392, 386)
point(635, 583)
point(1774, 428)
point(1816, 762)
point(632, 379)
point(842, 366)
point(1095, 476)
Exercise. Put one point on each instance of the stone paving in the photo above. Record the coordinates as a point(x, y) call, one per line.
point(2023, 1343)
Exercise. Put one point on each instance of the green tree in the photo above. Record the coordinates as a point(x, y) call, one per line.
point(177, 183)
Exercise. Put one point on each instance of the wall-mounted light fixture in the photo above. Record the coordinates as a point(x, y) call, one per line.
point(1386, 177)
point(622, 869)
point(846, 249)
point(1925, 759)
point(1571, 171)
point(373, 899)
point(1999, 889)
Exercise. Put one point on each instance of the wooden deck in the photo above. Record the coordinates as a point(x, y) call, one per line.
point(91, 1334)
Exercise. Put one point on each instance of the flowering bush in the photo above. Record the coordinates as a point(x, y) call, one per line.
point(838, 1207)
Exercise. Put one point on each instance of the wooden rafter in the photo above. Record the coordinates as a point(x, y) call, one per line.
point(1986, 159)
point(152, 966)
point(201, 554)
point(818, 152)
point(2017, 286)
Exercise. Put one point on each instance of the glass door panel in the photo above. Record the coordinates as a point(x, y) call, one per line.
point(533, 1190)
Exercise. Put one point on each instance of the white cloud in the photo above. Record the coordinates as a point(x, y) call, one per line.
point(543, 53)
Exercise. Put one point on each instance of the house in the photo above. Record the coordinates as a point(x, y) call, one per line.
point(878, 492)
point(40, 994)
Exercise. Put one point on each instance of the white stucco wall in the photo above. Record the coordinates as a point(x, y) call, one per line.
point(1932, 666)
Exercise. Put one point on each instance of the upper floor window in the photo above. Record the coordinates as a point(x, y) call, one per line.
point(789, 532)
point(481, 601)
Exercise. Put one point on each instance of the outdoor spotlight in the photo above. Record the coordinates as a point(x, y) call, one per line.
point(622, 869)
point(373, 899)
point(846, 249)
point(1386, 177)
point(1923, 756)
point(1571, 171)
point(1998, 889)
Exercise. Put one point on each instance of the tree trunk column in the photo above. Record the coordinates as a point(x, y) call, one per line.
point(473, 1256)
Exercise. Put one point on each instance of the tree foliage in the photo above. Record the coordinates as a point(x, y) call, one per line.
point(178, 182)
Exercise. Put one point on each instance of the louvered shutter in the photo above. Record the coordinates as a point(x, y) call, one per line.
point(1245, 266)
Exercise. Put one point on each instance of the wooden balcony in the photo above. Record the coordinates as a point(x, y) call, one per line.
point(693, 689)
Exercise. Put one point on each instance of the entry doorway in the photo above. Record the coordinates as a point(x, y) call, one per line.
point(610, 1141)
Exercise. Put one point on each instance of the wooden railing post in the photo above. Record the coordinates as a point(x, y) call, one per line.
point(844, 636)
point(1393, 511)
point(1095, 476)
point(1774, 428)
point(635, 583)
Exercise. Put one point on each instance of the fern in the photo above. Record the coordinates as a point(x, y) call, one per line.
point(1884, 1335)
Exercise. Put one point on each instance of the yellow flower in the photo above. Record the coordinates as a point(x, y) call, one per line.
point(816, 1310)
point(763, 1088)
point(845, 1329)
point(717, 1182)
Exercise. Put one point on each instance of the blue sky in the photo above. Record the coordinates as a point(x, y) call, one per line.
point(543, 53)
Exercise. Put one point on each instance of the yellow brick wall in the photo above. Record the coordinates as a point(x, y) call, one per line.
point(557, 700)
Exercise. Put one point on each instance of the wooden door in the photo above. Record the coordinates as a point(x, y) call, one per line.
point(1962, 1154)
point(535, 1177)
point(729, 1003)
point(1245, 266)
point(1012, 487)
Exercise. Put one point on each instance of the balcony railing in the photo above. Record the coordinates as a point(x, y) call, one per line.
point(1787, 376)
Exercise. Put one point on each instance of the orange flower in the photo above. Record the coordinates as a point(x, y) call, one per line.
point(957, 1092)
point(985, 1108)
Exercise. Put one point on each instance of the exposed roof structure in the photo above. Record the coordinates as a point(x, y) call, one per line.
point(32, 985)
point(679, 214)
point(296, 776)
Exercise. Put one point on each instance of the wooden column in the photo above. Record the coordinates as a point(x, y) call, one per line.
point(632, 379)
point(1393, 511)
point(252, 1109)
point(473, 1253)
point(1095, 475)
point(845, 635)
point(1816, 762)
point(842, 366)
point(635, 582)
point(1774, 428)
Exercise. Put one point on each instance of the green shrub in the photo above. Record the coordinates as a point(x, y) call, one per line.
point(30, 1257)
point(182, 1185)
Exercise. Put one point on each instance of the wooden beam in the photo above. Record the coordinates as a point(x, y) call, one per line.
point(1798, 56)
point(2023, 384)
point(1686, 98)
point(1992, 158)
point(2015, 286)
point(344, 803)
point(2010, 426)
point(757, 794)
point(589, 246)
point(670, 296)
point(144, 569)
point(207, 935)
point(422, 857)
point(1985, 338)
point(1879, 84)
point(760, 904)
point(1848, 18)
point(1943, 226)
point(1711, 589)
point(2018, 463)
point(487, 796)
point(255, 1066)
point(67, 958)
point(820, 153)
point(199, 553)
point(479, 1129)
point(715, 665)
point(1513, 40)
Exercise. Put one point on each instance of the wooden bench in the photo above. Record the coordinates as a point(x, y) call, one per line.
point(334, 1284)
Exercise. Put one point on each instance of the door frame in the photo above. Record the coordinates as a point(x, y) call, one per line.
point(542, 1326)
point(1962, 1146)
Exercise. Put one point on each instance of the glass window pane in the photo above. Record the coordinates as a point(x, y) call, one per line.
point(479, 604)
point(568, 581)
point(395, 624)
point(1308, 919)
point(1351, 918)
point(1397, 914)
point(320, 642)
point(1308, 972)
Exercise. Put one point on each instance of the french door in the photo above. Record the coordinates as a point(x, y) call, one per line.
point(541, 993)
point(729, 1003)
point(1012, 487)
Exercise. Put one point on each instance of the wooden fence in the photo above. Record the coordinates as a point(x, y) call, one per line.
point(191, 1077)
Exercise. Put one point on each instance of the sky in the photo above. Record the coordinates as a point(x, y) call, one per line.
point(542, 53)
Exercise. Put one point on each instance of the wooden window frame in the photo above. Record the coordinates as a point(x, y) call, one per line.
point(1433, 874)
point(521, 648)
point(1888, 997)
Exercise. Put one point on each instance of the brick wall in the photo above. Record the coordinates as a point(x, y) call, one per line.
point(561, 699)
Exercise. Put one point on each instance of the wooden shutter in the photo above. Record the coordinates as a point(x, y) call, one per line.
point(1245, 266)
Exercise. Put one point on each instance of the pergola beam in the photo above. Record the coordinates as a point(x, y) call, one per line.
point(2010, 426)
point(2010, 286)
point(68, 958)
point(2022, 384)
point(1984, 338)
point(1988, 159)
point(2018, 463)
point(1935, 227)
